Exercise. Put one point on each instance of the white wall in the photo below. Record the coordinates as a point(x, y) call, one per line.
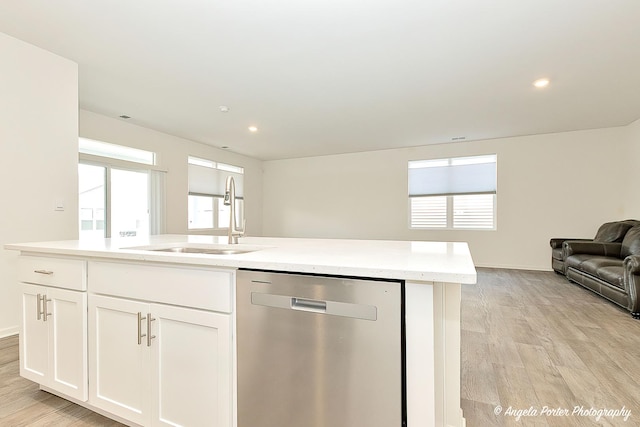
point(172, 156)
point(632, 192)
point(38, 157)
point(551, 185)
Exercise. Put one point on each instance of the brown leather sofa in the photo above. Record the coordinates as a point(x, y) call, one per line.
point(608, 264)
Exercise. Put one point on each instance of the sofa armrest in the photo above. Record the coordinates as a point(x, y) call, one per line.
point(632, 264)
point(556, 242)
point(632, 281)
point(572, 247)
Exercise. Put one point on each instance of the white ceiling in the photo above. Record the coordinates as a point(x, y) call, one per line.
point(334, 76)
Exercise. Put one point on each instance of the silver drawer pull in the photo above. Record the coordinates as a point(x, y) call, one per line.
point(47, 272)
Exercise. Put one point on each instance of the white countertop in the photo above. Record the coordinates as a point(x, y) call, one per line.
point(408, 260)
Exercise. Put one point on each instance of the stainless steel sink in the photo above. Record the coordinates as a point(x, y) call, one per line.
point(208, 251)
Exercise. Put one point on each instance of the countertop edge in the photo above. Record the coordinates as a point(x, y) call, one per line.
point(466, 275)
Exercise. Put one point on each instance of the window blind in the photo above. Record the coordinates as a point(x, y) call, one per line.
point(456, 193)
point(429, 212)
point(206, 180)
point(473, 211)
point(460, 176)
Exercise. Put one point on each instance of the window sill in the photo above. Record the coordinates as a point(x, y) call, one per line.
point(214, 231)
point(450, 229)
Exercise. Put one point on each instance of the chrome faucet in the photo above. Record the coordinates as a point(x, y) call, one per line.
point(230, 200)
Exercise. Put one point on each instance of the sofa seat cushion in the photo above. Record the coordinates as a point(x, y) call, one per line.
point(612, 275)
point(593, 264)
point(556, 253)
point(576, 260)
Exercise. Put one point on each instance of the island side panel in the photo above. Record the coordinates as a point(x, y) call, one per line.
point(420, 363)
point(449, 330)
point(433, 354)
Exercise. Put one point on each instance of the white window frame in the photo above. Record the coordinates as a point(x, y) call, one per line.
point(111, 158)
point(217, 201)
point(106, 150)
point(450, 198)
point(238, 171)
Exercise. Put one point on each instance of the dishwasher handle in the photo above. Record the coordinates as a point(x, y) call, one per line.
point(304, 304)
point(333, 308)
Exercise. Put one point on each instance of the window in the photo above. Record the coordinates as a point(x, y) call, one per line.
point(113, 151)
point(129, 203)
point(201, 212)
point(207, 179)
point(456, 193)
point(120, 191)
point(91, 198)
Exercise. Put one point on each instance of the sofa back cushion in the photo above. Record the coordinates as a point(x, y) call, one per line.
point(631, 242)
point(613, 232)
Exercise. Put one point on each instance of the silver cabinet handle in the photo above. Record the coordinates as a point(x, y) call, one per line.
point(149, 336)
point(47, 272)
point(44, 308)
point(39, 308)
point(140, 334)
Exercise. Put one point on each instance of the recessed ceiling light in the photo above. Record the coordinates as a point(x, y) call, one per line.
point(124, 116)
point(224, 147)
point(224, 109)
point(253, 129)
point(540, 83)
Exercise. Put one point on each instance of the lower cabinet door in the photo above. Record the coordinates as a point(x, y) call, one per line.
point(119, 358)
point(53, 339)
point(34, 336)
point(67, 324)
point(191, 363)
point(160, 365)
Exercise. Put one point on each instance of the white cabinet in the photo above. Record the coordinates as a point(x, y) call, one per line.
point(66, 273)
point(118, 367)
point(153, 363)
point(190, 367)
point(158, 338)
point(53, 323)
point(53, 339)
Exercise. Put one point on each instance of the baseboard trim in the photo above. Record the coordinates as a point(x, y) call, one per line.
point(7, 332)
point(514, 267)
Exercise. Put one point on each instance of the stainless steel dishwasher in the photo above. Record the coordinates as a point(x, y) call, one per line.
point(316, 351)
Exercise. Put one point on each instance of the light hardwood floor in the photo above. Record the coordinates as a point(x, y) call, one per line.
point(529, 339)
point(22, 403)
point(532, 339)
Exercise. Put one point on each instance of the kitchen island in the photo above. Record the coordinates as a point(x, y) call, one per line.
point(178, 293)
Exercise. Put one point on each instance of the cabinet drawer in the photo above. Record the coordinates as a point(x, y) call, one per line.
point(207, 289)
point(59, 272)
